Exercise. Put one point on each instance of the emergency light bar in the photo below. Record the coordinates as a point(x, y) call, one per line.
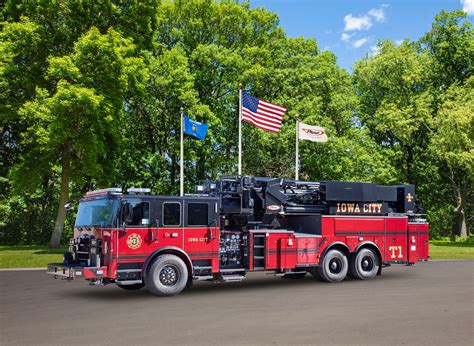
point(105, 191)
point(138, 190)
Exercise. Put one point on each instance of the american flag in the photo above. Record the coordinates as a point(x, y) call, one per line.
point(262, 114)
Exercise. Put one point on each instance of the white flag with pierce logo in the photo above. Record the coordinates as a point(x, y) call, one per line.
point(312, 133)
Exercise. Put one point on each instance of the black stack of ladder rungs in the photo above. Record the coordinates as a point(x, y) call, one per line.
point(258, 251)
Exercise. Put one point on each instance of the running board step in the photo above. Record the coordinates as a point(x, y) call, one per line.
point(203, 278)
point(288, 273)
point(228, 278)
point(231, 270)
point(129, 282)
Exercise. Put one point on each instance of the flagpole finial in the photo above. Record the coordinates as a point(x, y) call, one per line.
point(240, 85)
point(181, 109)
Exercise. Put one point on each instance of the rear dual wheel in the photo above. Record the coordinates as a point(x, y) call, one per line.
point(333, 268)
point(364, 265)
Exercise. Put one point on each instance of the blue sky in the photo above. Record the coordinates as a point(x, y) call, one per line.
point(351, 28)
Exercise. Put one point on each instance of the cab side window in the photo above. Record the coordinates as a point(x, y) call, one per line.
point(171, 214)
point(198, 214)
point(140, 213)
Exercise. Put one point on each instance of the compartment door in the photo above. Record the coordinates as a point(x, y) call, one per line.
point(396, 231)
point(413, 238)
point(288, 250)
point(423, 241)
point(418, 241)
point(307, 253)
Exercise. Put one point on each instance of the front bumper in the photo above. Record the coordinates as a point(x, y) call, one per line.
point(71, 272)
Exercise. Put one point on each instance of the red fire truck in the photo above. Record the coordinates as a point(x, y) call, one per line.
point(239, 224)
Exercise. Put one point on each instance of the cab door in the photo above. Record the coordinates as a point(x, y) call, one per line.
point(201, 232)
point(133, 239)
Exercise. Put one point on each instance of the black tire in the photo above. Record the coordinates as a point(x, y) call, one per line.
point(315, 274)
point(166, 276)
point(364, 265)
point(132, 287)
point(333, 267)
point(294, 276)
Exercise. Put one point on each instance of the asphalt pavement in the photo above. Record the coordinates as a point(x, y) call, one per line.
point(430, 303)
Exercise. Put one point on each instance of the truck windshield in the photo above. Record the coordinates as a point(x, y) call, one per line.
point(97, 213)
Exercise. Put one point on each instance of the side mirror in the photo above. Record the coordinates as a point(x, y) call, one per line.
point(68, 206)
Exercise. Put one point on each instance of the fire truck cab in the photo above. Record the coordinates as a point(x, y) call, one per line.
point(239, 224)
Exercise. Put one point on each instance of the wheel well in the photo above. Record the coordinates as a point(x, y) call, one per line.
point(375, 249)
point(337, 246)
point(169, 251)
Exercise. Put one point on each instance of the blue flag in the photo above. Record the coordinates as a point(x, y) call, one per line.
point(195, 128)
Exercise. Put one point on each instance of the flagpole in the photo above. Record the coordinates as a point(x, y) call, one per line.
point(181, 154)
point(240, 131)
point(297, 159)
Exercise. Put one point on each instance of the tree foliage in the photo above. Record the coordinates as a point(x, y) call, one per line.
point(90, 96)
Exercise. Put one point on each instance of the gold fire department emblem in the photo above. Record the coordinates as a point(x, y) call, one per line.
point(134, 241)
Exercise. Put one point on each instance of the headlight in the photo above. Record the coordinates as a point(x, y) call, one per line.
point(93, 242)
point(93, 250)
point(71, 241)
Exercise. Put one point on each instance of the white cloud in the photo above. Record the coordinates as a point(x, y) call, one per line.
point(398, 42)
point(366, 21)
point(356, 23)
point(375, 50)
point(346, 37)
point(468, 6)
point(377, 14)
point(359, 43)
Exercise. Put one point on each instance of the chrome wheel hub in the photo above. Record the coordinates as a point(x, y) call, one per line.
point(169, 275)
point(335, 266)
point(367, 264)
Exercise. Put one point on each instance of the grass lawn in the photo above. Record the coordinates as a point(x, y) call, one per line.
point(451, 250)
point(39, 256)
point(29, 256)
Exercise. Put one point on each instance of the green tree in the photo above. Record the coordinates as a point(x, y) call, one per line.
point(453, 145)
point(75, 126)
point(450, 45)
point(151, 126)
point(394, 102)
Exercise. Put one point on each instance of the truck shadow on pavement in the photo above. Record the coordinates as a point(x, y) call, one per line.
point(269, 283)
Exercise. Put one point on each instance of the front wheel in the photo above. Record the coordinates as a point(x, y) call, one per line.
point(333, 267)
point(167, 276)
point(364, 265)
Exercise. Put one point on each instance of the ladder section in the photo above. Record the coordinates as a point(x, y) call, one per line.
point(259, 251)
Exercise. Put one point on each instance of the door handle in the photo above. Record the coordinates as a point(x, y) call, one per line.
point(153, 236)
point(210, 235)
